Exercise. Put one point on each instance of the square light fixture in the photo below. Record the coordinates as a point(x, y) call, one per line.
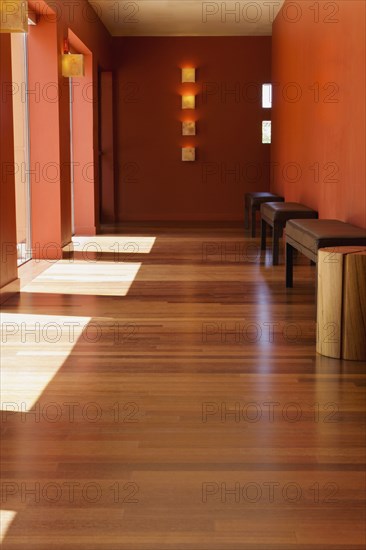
point(13, 16)
point(188, 154)
point(188, 74)
point(188, 101)
point(188, 128)
point(72, 65)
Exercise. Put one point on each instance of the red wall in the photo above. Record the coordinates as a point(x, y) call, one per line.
point(83, 145)
point(47, 191)
point(49, 121)
point(318, 138)
point(108, 195)
point(153, 182)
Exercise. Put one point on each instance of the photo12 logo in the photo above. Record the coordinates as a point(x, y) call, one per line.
point(269, 492)
point(53, 332)
point(71, 412)
point(268, 411)
point(70, 491)
point(251, 12)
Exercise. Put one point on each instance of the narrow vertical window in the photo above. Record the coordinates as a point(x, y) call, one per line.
point(267, 96)
point(266, 131)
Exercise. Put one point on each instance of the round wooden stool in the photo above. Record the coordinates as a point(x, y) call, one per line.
point(341, 302)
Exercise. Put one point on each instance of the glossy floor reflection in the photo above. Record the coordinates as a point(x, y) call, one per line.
point(188, 412)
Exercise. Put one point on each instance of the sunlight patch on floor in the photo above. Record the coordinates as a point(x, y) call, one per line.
point(113, 244)
point(88, 278)
point(48, 341)
point(6, 519)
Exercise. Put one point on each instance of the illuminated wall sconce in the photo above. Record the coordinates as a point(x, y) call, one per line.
point(188, 75)
point(188, 153)
point(188, 128)
point(188, 101)
point(13, 16)
point(72, 65)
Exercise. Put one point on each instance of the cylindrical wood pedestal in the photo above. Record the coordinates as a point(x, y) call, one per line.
point(341, 302)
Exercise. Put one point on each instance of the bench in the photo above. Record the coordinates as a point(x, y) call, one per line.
point(276, 214)
point(252, 202)
point(307, 236)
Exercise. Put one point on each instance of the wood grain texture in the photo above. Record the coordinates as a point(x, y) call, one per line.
point(329, 302)
point(190, 412)
point(354, 308)
point(341, 302)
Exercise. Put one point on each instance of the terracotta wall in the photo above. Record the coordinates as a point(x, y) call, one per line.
point(107, 130)
point(49, 119)
point(48, 189)
point(153, 182)
point(50, 142)
point(318, 135)
point(83, 96)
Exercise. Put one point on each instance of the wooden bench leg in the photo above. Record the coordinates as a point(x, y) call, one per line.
point(289, 266)
point(277, 231)
point(246, 216)
point(263, 234)
point(254, 220)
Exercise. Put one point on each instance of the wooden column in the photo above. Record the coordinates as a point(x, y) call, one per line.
point(341, 302)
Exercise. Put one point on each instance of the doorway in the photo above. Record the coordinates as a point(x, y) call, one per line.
point(19, 60)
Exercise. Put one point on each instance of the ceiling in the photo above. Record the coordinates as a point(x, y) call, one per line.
point(187, 17)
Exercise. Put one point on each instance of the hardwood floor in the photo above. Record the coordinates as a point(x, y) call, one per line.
point(161, 391)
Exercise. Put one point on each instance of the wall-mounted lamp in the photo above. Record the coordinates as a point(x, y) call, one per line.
point(13, 16)
point(188, 153)
point(72, 63)
point(189, 75)
point(188, 101)
point(188, 128)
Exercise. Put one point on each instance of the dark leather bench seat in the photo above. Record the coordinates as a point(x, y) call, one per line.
point(308, 236)
point(276, 214)
point(252, 203)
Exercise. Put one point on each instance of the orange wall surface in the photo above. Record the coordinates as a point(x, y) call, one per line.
point(48, 189)
point(49, 128)
point(108, 195)
point(318, 114)
point(153, 182)
point(83, 153)
point(49, 121)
